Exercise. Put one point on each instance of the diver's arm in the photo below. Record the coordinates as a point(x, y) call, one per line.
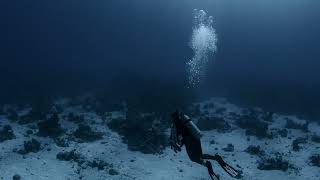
point(175, 139)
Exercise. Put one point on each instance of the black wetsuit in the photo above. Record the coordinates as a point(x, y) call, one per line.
point(193, 146)
point(194, 149)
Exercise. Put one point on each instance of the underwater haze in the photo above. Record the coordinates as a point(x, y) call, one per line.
point(267, 51)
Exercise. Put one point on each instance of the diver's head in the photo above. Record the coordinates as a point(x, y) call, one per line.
point(176, 114)
point(177, 117)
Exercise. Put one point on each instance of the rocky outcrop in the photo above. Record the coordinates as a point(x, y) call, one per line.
point(84, 163)
point(99, 164)
point(255, 150)
point(70, 156)
point(283, 132)
point(16, 177)
point(253, 126)
point(296, 143)
point(6, 133)
point(62, 141)
point(315, 138)
point(211, 123)
point(30, 146)
point(273, 163)
point(290, 124)
point(50, 127)
point(75, 118)
point(84, 133)
point(12, 115)
point(315, 160)
point(229, 148)
point(141, 132)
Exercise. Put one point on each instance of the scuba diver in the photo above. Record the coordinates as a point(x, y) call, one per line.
point(185, 132)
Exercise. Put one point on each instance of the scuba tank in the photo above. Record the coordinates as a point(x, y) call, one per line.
point(193, 129)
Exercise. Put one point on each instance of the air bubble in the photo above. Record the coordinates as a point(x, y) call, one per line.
point(204, 44)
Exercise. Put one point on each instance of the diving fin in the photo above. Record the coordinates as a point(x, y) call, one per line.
point(213, 175)
point(231, 171)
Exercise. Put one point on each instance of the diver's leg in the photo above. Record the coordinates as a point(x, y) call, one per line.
point(229, 169)
point(194, 151)
point(213, 175)
point(208, 156)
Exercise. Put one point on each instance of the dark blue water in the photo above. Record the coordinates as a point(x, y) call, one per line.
point(268, 51)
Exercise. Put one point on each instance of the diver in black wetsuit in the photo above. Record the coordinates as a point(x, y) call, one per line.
point(185, 132)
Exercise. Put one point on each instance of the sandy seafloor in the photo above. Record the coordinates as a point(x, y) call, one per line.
point(43, 165)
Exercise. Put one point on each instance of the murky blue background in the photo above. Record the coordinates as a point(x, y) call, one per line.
point(268, 50)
